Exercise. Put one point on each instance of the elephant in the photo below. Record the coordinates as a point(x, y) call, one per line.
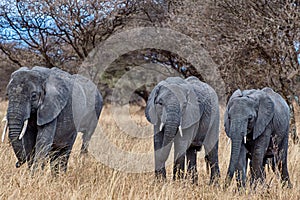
point(257, 122)
point(184, 112)
point(46, 109)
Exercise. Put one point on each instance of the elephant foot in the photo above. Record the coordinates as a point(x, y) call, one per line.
point(258, 182)
point(287, 184)
point(192, 176)
point(83, 152)
point(84, 149)
point(241, 185)
point(227, 181)
point(35, 171)
point(242, 191)
point(160, 174)
point(214, 178)
point(195, 179)
point(19, 164)
point(178, 175)
point(214, 182)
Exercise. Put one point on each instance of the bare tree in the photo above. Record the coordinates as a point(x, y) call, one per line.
point(63, 33)
point(254, 42)
point(59, 33)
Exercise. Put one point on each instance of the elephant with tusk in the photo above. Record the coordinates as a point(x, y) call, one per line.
point(257, 122)
point(46, 109)
point(184, 112)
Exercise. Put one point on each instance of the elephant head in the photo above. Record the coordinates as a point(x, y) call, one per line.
point(36, 98)
point(172, 106)
point(247, 115)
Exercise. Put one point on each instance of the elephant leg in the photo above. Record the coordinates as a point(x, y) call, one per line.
point(257, 169)
point(265, 163)
point(29, 146)
point(160, 170)
point(44, 141)
point(87, 134)
point(178, 169)
point(191, 155)
point(86, 137)
point(180, 148)
point(64, 158)
point(242, 168)
point(59, 160)
point(259, 151)
point(212, 158)
point(54, 164)
point(251, 172)
point(211, 143)
point(273, 163)
point(285, 179)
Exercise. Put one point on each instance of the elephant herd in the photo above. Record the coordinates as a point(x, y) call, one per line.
point(47, 107)
point(186, 112)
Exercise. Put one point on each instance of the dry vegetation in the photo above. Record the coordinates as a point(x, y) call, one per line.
point(247, 39)
point(87, 178)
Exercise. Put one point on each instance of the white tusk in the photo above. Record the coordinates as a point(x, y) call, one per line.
point(228, 141)
point(4, 119)
point(5, 128)
point(245, 139)
point(180, 131)
point(161, 126)
point(23, 129)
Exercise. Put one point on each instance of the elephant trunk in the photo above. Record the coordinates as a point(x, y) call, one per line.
point(15, 128)
point(172, 123)
point(237, 134)
point(170, 127)
point(235, 152)
point(170, 131)
point(17, 121)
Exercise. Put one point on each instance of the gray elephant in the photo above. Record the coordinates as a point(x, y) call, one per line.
point(257, 122)
point(184, 112)
point(46, 109)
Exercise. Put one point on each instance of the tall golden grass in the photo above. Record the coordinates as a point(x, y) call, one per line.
point(87, 178)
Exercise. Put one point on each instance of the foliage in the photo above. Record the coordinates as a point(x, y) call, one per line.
point(58, 33)
point(252, 41)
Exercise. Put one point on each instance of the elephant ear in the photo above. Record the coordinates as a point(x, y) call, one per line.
point(237, 93)
point(265, 113)
point(248, 92)
point(56, 94)
point(150, 110)
point(192, 109)
point(22, 69)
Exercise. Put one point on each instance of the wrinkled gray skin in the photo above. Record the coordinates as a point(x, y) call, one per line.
point(57, 106)
point(262, 116)
point(193, 105)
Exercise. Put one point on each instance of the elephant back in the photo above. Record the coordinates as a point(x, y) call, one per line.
point(206, 95)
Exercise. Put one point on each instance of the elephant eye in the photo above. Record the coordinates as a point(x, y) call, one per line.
point(250, 118)
point(159, 102)
point(34, 96)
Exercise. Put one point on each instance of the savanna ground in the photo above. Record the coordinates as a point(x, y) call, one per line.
point(87, 178)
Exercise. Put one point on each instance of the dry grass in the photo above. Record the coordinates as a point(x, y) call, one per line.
point(87, 178)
